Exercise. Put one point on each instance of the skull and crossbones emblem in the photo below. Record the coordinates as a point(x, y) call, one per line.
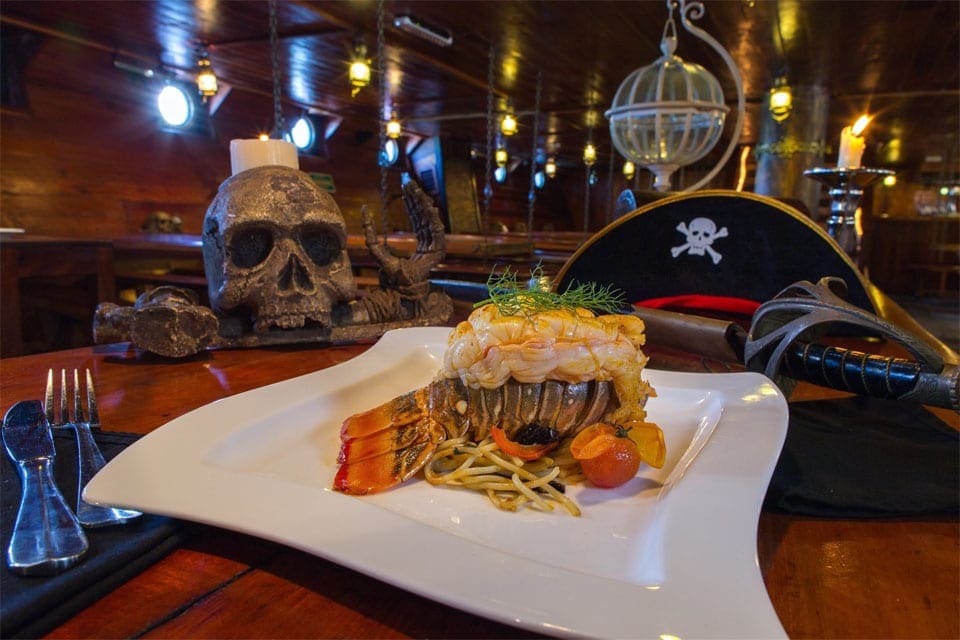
point(700, 236)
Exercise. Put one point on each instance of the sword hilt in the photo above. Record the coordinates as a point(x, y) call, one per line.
point(783, 342)
point(872, 375)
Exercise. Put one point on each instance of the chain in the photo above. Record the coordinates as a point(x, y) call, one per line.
point(278, 124)
point(488, 185)
point(610, 187)
point(381, 123)
point(586, 185)
point(532, 194)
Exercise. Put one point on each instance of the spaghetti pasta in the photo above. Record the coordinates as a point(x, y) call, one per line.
point(510, 483)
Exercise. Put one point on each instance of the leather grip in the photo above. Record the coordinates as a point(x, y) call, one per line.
point(848, 370)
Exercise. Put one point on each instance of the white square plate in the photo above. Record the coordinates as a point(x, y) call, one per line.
point(671, 553)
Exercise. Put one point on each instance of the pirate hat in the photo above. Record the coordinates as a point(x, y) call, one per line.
point(713, 250)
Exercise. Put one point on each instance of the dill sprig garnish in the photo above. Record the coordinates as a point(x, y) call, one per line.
point(512, 299)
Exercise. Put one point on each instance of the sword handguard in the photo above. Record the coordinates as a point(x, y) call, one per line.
point(783, 336)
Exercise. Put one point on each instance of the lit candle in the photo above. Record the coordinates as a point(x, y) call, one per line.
point(852, 144)
point(248, 154)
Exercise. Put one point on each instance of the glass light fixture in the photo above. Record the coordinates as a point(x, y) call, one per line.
point(508, 124)
point(550, 168)
point(629, 169)
point(393, 126)
point(501, 157)
point(500, 174)
point(589, 154)
point(671, 113)
point(781, 99)
point(359, 69)
point(206, 78)
point(175, 106)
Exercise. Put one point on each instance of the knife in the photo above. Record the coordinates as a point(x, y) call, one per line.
point(47, 538)
point(783, 344)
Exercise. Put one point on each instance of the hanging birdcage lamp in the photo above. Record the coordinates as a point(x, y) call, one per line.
point(671, 113)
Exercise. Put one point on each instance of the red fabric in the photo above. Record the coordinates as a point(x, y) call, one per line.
point(725, 304)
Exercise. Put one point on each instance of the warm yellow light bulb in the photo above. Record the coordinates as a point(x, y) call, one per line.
point(508, 126)
point(629, 169)
point(393, 127)
point(359, 73)
point(589, 154)
point(501, 157)
point(206, 78)
point(781, 100)
point(889, 181)
point(550, 168)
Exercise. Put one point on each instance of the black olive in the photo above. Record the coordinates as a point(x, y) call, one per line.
point(534, 433)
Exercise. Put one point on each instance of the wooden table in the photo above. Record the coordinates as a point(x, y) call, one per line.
point(827, 578)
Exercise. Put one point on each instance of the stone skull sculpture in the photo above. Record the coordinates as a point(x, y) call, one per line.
point(274, 249)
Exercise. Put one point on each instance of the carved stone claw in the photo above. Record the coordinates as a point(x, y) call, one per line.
point(168, 321)
point(410, 275)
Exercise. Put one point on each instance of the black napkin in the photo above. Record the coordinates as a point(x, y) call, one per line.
point(862, 457)
point(31, 606)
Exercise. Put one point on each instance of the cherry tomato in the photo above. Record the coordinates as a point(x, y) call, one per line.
point(608, 457)
point(523, 451)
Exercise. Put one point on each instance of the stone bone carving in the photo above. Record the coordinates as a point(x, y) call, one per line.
point(700, 236)
point(275, 246)
point(278, 273)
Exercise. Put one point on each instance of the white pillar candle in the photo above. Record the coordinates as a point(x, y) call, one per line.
point(248, 154)
point(851, 149)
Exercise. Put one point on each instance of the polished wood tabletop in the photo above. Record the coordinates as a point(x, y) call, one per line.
point(826, 577)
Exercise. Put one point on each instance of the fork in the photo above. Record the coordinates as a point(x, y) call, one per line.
point(89, 457)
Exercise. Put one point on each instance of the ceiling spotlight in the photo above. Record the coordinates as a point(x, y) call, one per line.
point(302, 133)
point(359, 69)
point(206, 78)
point(550, 168)
point(629, 169)
point(393, 126)
point(781, 99)
point(175, 106)
point(589, 154)
point(508, 124)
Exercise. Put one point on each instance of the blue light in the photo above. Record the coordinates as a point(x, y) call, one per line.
point(303, 134)
point(175, 106)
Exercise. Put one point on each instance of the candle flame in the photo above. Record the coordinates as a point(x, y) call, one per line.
point(860, 125)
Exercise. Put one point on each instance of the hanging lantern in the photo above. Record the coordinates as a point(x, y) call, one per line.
point(393, 127)
point(589, 154)
point(206, 78)
point(781, 100)
point(501, 157)
point(550, 168)
point(671, 113)
point(508, 124)
point(359, 69)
